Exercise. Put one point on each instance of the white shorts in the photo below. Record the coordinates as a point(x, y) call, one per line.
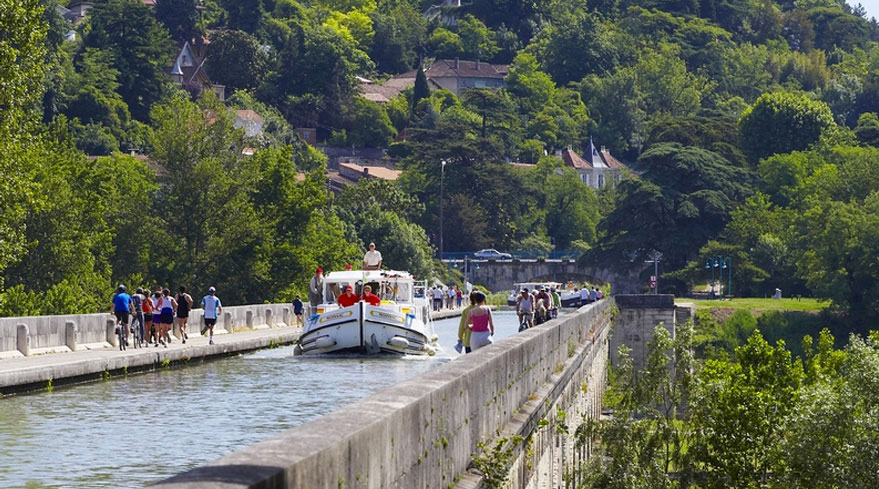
point(478, 340)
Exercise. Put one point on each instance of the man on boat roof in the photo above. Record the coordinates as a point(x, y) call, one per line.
point(372, 260)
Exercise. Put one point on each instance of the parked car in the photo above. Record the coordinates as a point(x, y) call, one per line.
point(492, 254)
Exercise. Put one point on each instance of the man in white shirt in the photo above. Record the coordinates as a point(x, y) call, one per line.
point(584, 296)
point(212, 308)
point(372, 260)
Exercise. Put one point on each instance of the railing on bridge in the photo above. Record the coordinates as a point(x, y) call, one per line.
point(519, 255)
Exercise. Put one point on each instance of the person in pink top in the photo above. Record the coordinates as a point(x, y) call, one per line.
point(481, 323)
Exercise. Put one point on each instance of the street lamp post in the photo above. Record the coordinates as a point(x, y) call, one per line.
point(709, 264)
point(442, 183)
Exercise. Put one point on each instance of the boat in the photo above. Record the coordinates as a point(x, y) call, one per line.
point(570, 295)
point(399, 325)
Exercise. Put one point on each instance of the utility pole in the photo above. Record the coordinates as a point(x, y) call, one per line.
point(442, 183)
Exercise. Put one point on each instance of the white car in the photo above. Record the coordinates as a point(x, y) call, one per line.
point(492, 254)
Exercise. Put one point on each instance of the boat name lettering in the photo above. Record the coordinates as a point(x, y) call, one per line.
point(384, 315)
point(334, 316)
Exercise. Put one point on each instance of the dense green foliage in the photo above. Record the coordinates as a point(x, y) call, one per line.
point(759, 418)
point(749, 129)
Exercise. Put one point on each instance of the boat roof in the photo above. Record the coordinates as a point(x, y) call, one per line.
point(549, 283)
point(367, 275)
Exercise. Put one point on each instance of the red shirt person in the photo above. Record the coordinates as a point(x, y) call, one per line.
point(348, 298)
point(369, 297)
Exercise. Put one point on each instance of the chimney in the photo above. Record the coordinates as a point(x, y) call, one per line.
point(457, 63)
point(365, 172)
point(603, 149)
point(477, 64)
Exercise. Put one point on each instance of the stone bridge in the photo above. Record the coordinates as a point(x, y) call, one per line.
point(529, 393)
point(500, 275)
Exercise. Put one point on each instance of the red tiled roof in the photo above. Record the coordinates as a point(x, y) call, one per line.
point(248, 115)
point(372, 171)
point(610, 160)
point(574, 160)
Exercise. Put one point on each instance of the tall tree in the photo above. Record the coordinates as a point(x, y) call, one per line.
point(236, 59)
point(180, 17)
point(141, 49)
point(782, 122)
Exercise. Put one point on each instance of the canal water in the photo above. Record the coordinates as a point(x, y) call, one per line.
point(130, 432)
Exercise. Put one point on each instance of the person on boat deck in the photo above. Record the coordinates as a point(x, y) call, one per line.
point(372, 260)
point(369, 297)
point(348, 298)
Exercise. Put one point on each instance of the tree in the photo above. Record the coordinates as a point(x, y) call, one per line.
point(738, 414)
point(576, 44)
point(867, 130)
point(141, 50)
point(213, 233)
point(21, 72)
point(180, 17)
point(782, 122)
point(400, 33)
point(476, 39)
point(682, 199)
point(445, 43)
point(369, 124)
point(236, 59)
point(421, 90)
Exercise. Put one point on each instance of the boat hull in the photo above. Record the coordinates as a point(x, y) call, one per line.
point(362, 328)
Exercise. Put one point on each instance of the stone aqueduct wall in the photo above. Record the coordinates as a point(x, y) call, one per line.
point(500, 275)
point(424, 432)
point(23, 336)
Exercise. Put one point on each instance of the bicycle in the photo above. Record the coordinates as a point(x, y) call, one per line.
point(524, 321)
point(122, 334)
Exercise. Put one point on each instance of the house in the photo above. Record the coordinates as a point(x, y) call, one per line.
point(457, 75)
point(598, 169)
point(452, 74)
point(351, 173)
point(250, 121)
point(188, 70)
point(76, 11)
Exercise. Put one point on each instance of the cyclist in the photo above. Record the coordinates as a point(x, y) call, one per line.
point(121, 308)
point(525, 309)
point(137, 317)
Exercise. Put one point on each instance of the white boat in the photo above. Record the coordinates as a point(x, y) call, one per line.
point(400, 324)
point(569, 296)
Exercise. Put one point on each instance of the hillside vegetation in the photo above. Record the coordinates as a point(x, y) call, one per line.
point(749, 129)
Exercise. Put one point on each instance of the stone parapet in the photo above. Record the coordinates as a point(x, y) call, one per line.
point(423, 432)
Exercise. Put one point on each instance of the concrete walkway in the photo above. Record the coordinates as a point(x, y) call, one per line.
point(51, 370)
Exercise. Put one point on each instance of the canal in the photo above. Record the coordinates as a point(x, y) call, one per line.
point(133, 431)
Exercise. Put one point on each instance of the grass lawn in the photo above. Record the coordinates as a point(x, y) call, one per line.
point(755, 304)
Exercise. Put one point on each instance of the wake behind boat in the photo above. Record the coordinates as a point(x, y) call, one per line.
point(398, 324)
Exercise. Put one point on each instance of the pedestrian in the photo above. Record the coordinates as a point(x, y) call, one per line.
point(121, 309)
point(450, 297)
point(148, 316)
point(584, 296)
point(459, 296)
point(593, 295)
point(437, 298)
point(184, 305)
point(167, 306)
point(481, 323)
point(137, 317)
point(556, 302)
point(316, 289)
point(157, 315)
point(297, 309)
point(212, 308)
point(463, 331)
point(372, 260)
point(598, 294)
